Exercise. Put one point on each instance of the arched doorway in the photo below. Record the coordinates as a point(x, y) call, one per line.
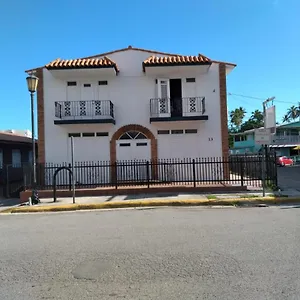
point(133, 145)
point(133, 134)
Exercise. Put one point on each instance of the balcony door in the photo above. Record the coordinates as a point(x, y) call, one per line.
point(176, 97)
point(163, 93)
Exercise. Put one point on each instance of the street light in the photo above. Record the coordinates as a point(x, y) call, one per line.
point(32, 83)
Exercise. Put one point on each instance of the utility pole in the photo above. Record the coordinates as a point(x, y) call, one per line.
point(265, 147)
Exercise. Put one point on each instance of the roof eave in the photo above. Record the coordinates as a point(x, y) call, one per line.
point(58, 68)
point(149, 65)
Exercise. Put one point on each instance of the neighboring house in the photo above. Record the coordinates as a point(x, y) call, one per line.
point(15, 152)
point(15, 147)
point(131, 104)
point(286, 138)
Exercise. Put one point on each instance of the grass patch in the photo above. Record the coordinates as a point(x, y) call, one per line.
point(249, 196)
point(211, 197)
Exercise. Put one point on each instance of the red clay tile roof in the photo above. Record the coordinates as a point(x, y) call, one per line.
point(167, 55)
point(154, 61)
point(84, 63)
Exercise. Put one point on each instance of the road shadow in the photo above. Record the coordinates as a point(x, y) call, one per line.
point(290, 207)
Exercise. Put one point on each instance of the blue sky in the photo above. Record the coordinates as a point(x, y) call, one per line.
point(261, 36)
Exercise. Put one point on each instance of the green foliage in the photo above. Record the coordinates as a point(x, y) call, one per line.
point(211, 197)
point(236, 123)
point(236, 118)
point(292, 113)
point(256, 120)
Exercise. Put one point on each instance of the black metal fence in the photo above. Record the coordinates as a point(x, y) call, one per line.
point(12, 179)
point(250, 167)
point(236, 170)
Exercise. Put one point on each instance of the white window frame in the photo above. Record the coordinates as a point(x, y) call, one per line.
point(160, 82)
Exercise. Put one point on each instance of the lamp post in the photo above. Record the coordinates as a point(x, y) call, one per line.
point(32, 83)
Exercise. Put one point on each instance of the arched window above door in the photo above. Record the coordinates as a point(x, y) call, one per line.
point(132, 135)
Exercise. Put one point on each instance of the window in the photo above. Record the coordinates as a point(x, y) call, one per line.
point(190, 79)
point(30, 156)
point(191, 131)
point(133, 135)
point(240, 138)
point(1, 158)
point(104, 82)
point(125, 145)
point(141, 144)
point(101, 133)
point(177, 131)
point(16, 158)
point(74, 134)
point(86, 85)
point(88, 134)
point(163, 89)
point(72, 83)
point(163, 131)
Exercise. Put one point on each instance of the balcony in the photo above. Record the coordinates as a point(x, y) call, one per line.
point(84, 112)
point(177, 109)
point(285, 140)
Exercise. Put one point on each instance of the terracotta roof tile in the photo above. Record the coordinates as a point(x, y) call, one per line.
point(104, 62)
point(176, 60)
point(95, 62)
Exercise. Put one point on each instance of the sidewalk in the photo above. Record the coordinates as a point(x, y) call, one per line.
point(8, 203)
point(163, 199)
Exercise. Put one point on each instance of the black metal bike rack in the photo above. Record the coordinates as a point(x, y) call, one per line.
point(54, 180)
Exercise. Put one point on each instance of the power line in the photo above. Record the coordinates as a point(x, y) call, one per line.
point(244, 96)
point(256, 98)
point(242, 100)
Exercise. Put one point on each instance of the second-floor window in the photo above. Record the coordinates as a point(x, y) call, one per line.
point(240, 138)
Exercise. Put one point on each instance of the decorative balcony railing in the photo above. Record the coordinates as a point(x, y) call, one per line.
point(177, 107)
point(80, 110)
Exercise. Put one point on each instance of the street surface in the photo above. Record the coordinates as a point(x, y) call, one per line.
point(289, 177)
point(165, 253)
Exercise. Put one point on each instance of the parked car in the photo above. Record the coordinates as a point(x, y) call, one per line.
point(284, 161)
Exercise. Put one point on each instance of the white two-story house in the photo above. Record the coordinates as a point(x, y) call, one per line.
point(132, 104)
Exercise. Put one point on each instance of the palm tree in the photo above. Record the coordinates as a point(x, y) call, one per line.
point(257, 116)
point(237, 116)
point(292, 113)
point(285, 119)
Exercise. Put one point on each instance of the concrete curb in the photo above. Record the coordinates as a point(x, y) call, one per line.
point(155, 203)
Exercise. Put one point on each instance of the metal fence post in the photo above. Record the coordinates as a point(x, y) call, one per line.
point(194, 172)
point(115, 166)
point(148, 174)
point(6, 181)
point(242, 171)
point(70, 178)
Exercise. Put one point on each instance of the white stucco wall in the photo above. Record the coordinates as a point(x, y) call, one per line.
point(130, 93)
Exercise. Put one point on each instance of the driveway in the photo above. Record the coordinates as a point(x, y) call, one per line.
point(166, 253)
point(289, 177)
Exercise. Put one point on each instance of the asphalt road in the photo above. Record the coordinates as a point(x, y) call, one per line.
point(289, 177)
point(166, 253)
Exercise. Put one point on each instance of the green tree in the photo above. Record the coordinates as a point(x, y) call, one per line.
point(256, 120)
point(236, 118)
point(292, 113)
